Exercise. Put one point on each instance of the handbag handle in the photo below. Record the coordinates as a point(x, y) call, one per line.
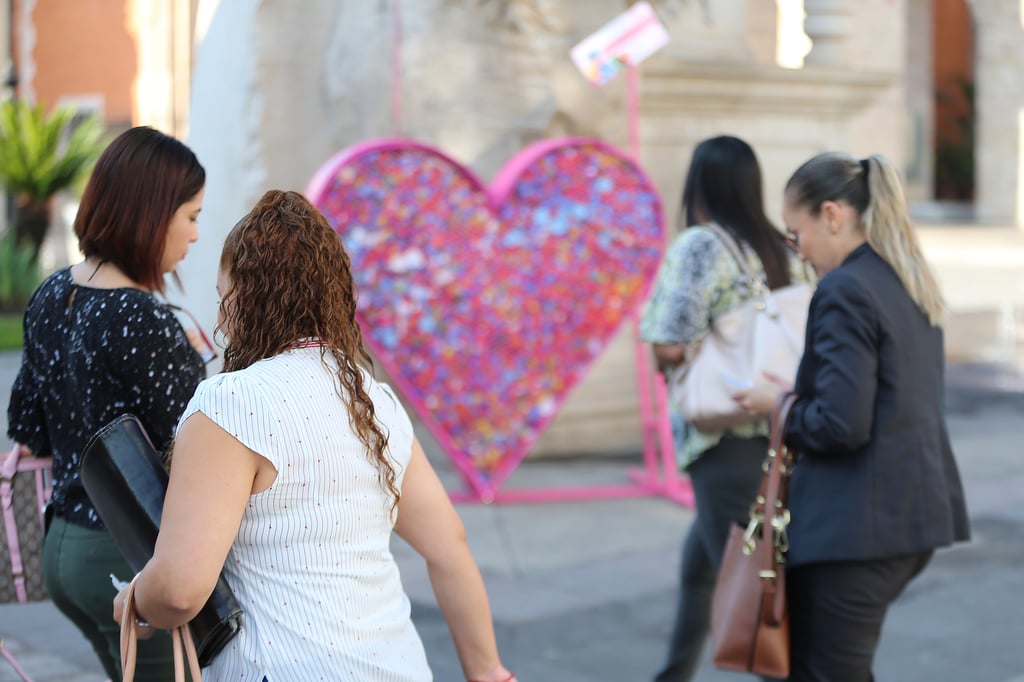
point(770, 513)
point(181, 638)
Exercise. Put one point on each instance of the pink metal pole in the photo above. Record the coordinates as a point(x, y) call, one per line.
point(633, 110)
point(643, 371)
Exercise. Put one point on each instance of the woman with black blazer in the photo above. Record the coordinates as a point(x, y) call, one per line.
point(875, 489)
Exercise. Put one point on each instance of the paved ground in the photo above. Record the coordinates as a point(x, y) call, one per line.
point(584, 591)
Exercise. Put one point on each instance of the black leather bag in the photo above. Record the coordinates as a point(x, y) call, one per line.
point(126, 481)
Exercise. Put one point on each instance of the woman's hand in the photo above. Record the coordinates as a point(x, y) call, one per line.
point(760, 399)
point(668, 356)
point(143, 631)
point(497, 674)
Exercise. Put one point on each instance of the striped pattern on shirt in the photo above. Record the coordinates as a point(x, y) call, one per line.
point(311, 564)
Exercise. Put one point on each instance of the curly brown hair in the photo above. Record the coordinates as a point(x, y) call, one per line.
point(290, 279)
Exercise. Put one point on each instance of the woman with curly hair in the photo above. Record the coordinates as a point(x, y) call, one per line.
point(290, 471)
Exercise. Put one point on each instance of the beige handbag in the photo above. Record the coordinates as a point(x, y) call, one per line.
point(764, 334)
point(181, 638)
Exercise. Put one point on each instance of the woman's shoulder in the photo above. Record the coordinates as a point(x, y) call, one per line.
point(127, 303)
point(58, 278)
point(387, 406)
point(241, 387)
point(55, 285)
point(382, 394)
point(697, 245)
point(843, 286)
point(696, 237)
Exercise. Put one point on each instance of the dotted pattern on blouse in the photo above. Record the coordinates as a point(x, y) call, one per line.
point(91, 355)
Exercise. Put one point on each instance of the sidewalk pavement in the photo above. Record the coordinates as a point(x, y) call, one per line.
point(585, 591)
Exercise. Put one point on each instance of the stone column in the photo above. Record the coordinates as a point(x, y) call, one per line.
point(828, 24)
point(999, 111)
point(920, 166)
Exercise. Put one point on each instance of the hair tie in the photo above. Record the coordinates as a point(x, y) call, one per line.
point(865, 165)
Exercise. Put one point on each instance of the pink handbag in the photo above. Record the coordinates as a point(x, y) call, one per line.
point(25, 489)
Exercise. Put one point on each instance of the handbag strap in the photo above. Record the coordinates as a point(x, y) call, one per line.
point(8, 469)
point(14, 663)
point(757, 286)
point(770, 513)
point(181, 638)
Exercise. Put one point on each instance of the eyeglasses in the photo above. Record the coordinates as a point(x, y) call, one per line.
point(194, 331)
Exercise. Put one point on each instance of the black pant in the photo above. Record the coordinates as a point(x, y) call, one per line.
point(725, 481)
point(836, 610)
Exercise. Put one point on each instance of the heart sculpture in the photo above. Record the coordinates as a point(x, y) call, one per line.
point(486, 305)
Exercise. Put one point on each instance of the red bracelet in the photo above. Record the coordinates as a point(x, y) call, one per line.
point(511, 676)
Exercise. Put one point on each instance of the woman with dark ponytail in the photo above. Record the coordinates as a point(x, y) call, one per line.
point(700, 281)
point(876, 489)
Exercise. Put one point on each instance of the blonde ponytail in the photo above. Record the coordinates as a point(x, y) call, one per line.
point(889, 232)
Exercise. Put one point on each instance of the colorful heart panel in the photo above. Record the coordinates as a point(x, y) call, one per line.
point(486, 305)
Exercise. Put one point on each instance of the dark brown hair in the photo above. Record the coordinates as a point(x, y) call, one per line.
point(138, 183)
point(723, 184)
point(291, 279)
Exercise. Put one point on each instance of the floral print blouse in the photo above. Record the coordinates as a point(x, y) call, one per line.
point(91, 355)
point(699, 281)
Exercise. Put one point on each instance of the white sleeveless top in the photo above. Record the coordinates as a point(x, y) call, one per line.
point(311, 565)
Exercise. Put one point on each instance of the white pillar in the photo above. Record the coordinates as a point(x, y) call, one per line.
point(828, 24)
point(999, 111)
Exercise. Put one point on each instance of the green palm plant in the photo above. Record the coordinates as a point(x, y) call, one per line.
point(40, 155)
point(19, 275)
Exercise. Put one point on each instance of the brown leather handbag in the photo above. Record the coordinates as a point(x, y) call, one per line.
point(749, 618)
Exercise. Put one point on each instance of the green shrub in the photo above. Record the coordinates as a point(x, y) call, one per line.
point(10, 331)
point(41, 154)
point(19, 275)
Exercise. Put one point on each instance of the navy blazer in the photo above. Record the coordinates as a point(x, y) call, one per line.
point(875, 475)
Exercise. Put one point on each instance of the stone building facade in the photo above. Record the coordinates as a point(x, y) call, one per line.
point(270, 92)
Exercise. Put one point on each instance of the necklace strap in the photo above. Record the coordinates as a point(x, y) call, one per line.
point(98, 266)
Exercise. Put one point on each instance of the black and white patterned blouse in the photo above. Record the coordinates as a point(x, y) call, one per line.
point(91, 355)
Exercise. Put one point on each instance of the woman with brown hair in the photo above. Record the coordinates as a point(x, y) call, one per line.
point(291, 470)
point(99, 343)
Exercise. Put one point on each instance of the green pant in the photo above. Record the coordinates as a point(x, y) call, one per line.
point(77, 563)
